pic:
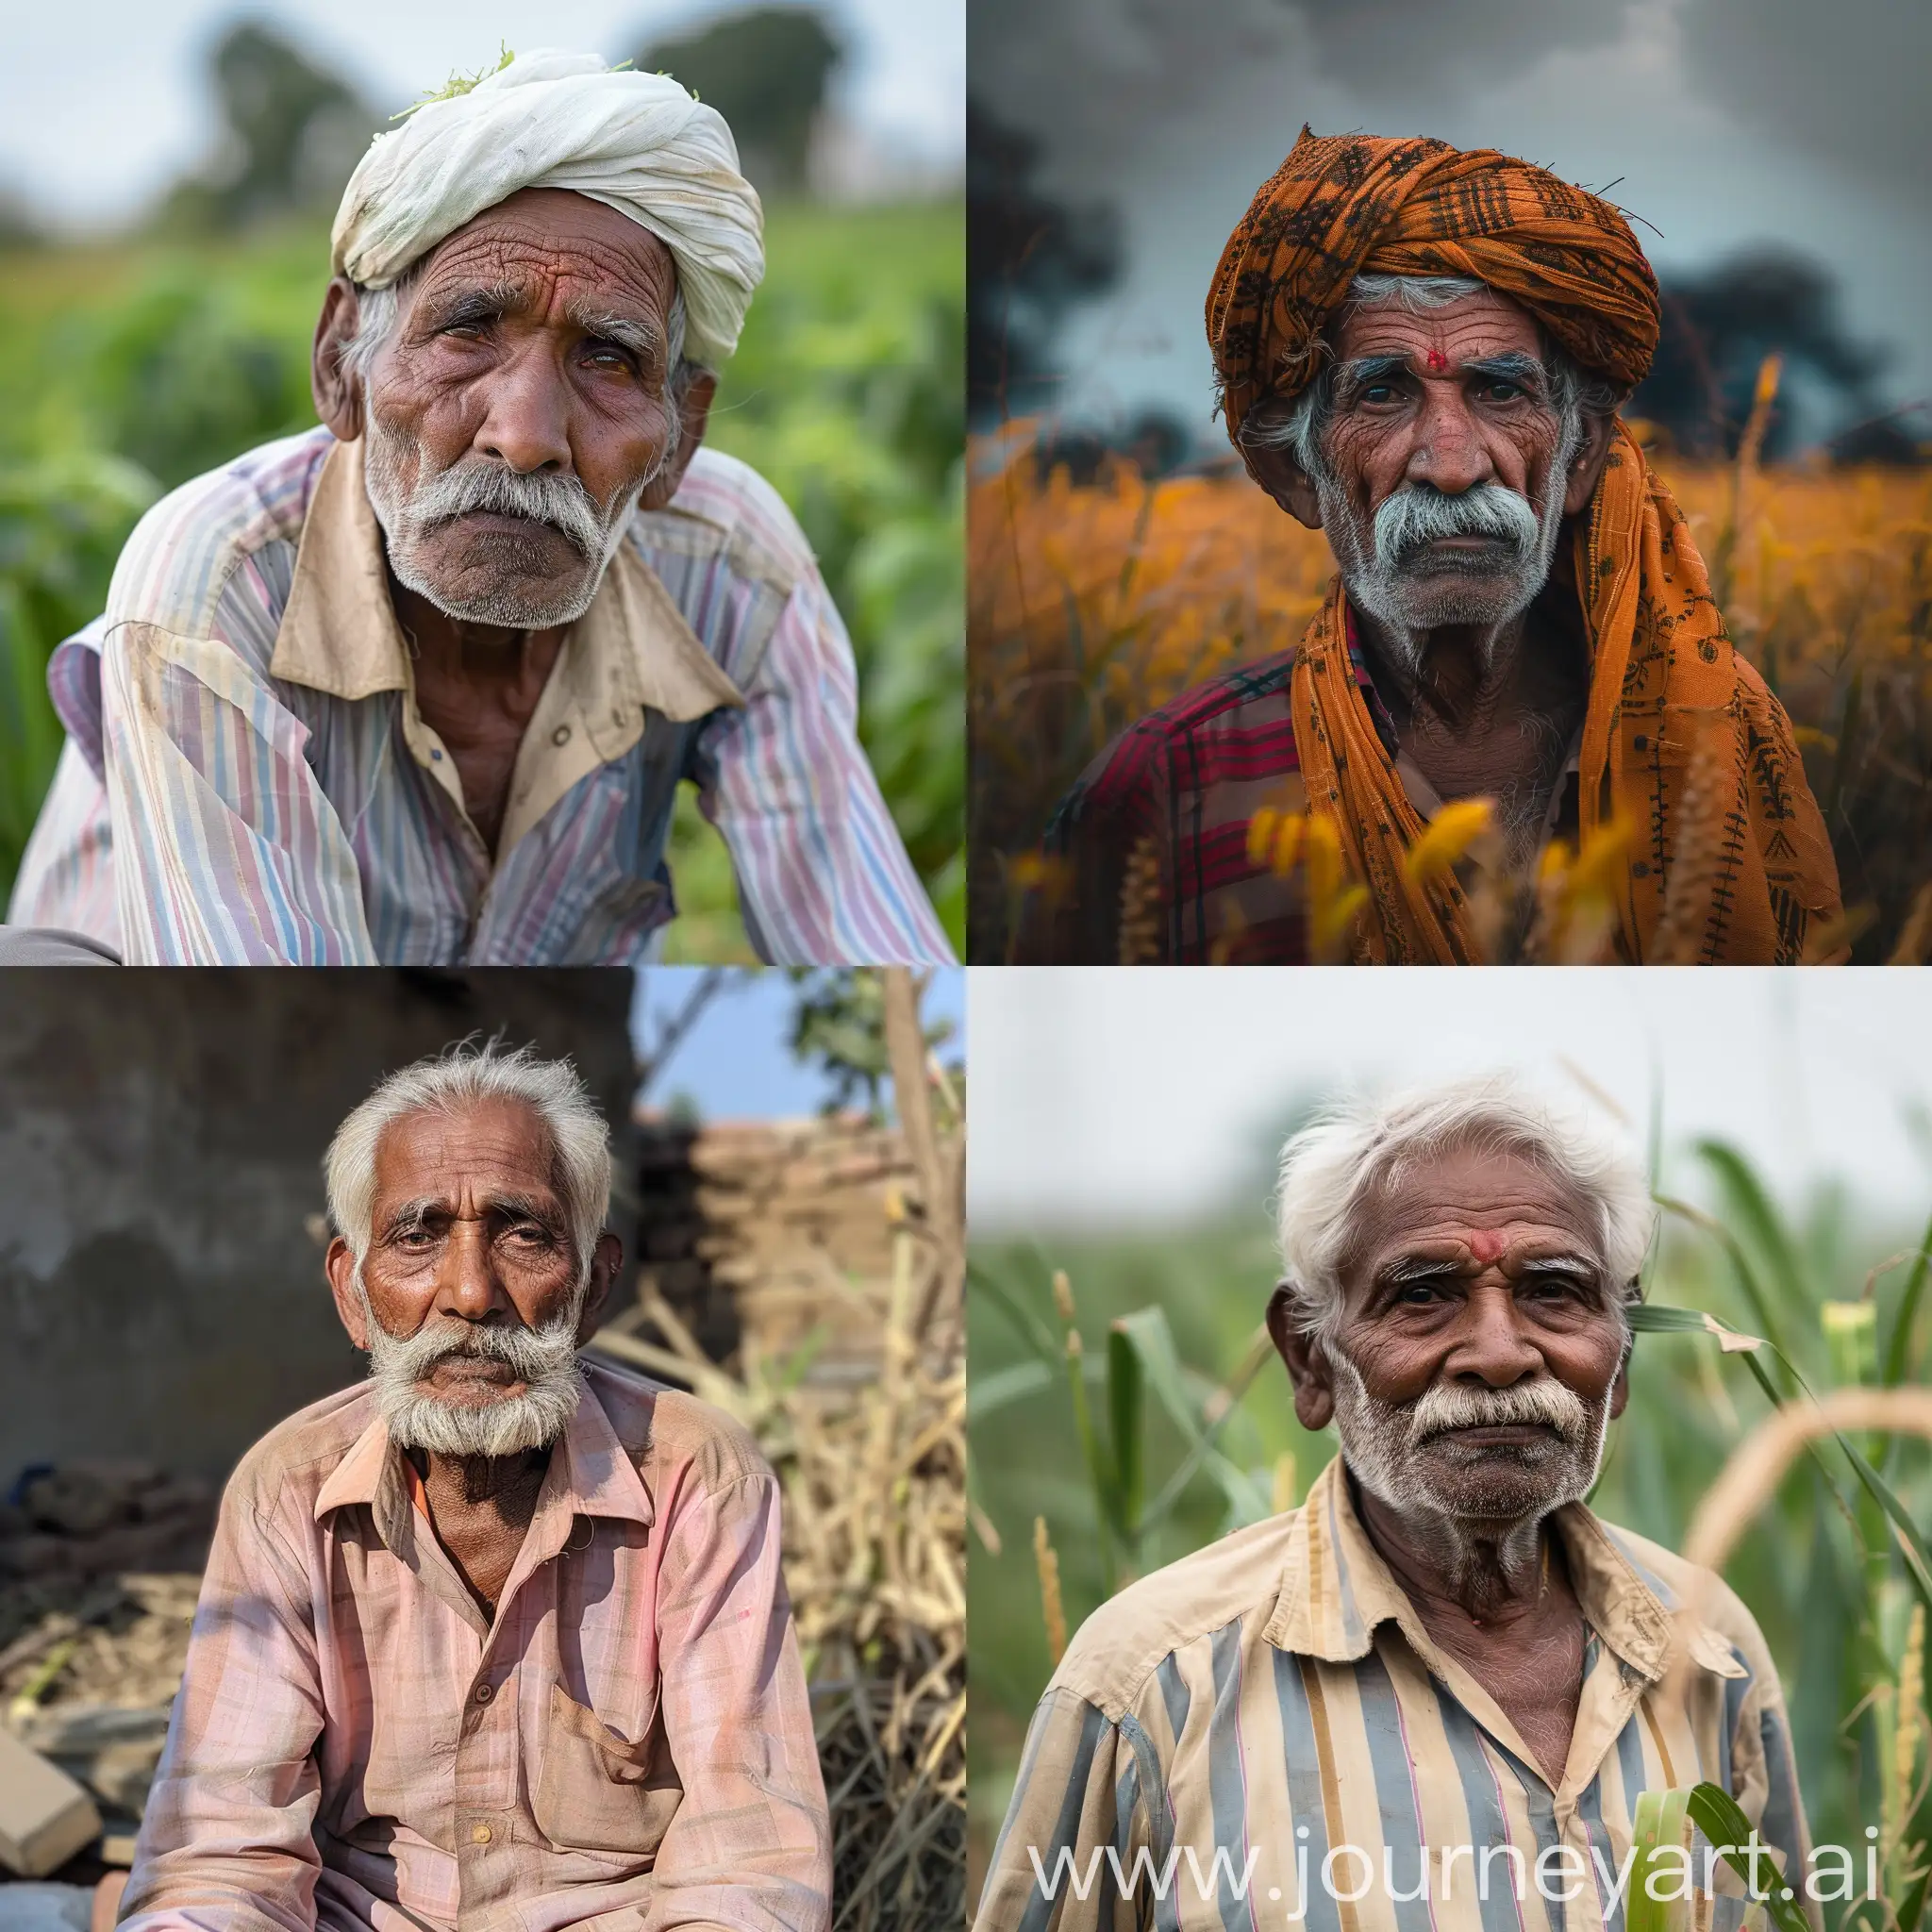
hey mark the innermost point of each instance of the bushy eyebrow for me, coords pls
(412, 1215)
(470, 308)
(1352, 377)
(1512, 365)
(643, 339)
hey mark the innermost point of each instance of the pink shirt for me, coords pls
(628, 1745)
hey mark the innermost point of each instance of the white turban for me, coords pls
(638, 143)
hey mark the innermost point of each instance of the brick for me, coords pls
(45, 1815)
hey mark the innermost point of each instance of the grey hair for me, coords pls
(1299, 423)
(379, 311)
(453, 1082)
(1329, 1168)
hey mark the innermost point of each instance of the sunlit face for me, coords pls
(522, 407)
(1445, 460)
(470, 1285)
(1480, 1341)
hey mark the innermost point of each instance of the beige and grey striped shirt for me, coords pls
(1219, 1732)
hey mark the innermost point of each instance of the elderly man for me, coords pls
(1422, 351)
(1442, 1662)
(498, 1639)
(418, 687)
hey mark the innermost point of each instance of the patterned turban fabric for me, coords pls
(638, 143)
(1683, 745)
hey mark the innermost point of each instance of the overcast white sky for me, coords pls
(1722, 123)
(1107, 1097)
(101, 106)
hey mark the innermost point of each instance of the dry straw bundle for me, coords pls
(874, 1483)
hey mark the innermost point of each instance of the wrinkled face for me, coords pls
(1480, 1341)
(471, 1283)
(522, 406)
(1446, 462)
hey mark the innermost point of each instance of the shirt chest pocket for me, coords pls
(599, 1791)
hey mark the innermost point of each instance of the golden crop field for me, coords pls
(1090, 605)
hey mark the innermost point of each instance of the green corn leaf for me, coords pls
(1651, 1317)
(987, 1394)
(1125, 1391)
(1657, 1826)
(1716, 1814)
(1740, 1264)
(1027, 1326)
(1900, 1346)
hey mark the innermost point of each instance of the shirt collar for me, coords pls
(338, 632)
(1338, 1591)
(591, 1472)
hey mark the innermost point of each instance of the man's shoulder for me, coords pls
(1674, 1581)
(725, 511)
(288, 1465)
(663, 1428)
(1244, 707)
(1118, 1649)
(176, 565)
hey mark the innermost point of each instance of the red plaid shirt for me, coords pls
(1185, 782)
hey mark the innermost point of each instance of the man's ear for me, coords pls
(1620, 1388)
(1307, 1360)
(607, 1262)
(339, 1264)
(1587, 465)
(337, 394)
(1287, 482)
(693, 414)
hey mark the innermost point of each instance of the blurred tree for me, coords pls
(1718, 326)
(1028, 259)
(292, 133)
(839, 1025)
(766, 72)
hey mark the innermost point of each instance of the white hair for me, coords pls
(1329, 1168)
(1298, 424)
(455, 1081)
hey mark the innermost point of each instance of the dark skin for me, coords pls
(1430, 407)
(1481, 1270)
(467, 1227)
(533, 337)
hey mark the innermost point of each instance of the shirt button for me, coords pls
(561, 735)
(479, 1834)
(484, 1693)
(436, 755)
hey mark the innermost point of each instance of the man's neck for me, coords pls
(481, 1507)
(477, 687)
(1492, 1572)
(448, 648)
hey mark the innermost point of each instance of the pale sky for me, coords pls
(102, 106)
(1721, 123)
(1107, 1098)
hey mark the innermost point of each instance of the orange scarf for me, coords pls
(1668, 694)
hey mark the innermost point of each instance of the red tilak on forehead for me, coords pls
(1438, 362)
(1488, 1245)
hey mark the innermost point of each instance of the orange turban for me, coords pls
(1341, 205)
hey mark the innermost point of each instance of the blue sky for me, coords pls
(102, 106)
(735, 1063)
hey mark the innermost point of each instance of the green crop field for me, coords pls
(1185, 1429)
(127, 369)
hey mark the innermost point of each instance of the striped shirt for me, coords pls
(247, 779)
(356, 1744)
(1275, 1698)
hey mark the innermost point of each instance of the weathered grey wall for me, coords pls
(160, 1140)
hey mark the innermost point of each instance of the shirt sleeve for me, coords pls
(822, 876)
(1764, 1776)
(66, 876)
(226, 852)
(226, 1841)
(749, 1848)
(1071, 894)
(1074, 1831)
